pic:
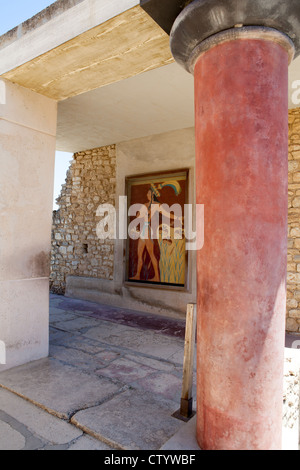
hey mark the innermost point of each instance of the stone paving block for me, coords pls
(48, 427)
(163, 384)
(56, 335)
(91, 362)
(10, 438)
(77, 341)
(153, 363)
(107, 356)
(143, 377)
(75, 358)
(107, 332)
(145, 342)
(88, 443)
(31, 440)
(184, 439)
(57, 315)
(126, 371)
(177, 357)
(54, 310)
(55, 300)
(59, 388)
(76, 324)
(87, 311)
(133, 318)
(132, 420)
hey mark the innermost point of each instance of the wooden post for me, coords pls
(186, 405)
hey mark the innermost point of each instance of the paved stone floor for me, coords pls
(112, 381)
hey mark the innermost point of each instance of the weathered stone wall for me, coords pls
(155, 153)
(91, 180)
(293, 266)
(76, 249)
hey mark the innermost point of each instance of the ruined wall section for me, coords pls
(76, 249)
(293, 266)
(91, 180)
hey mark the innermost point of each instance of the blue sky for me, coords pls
(62, 162)
(12, 13)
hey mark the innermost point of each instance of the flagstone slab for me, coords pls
(133, 318)
(77, 341)
(108, 356)
(10, 438)
(126, 371)
(58, 388)
(153, 363)
(56, 335)
(132, 420)
(184, 439)
(141, 341)
(162, 384)
(76, 324)
(76, 358)
(142, 377)
(88, 443)
(57, 315)
(44, 425)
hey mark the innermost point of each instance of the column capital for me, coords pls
(206, 23)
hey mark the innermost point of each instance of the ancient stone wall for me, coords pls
(91, 180)
(76, 249)
(156, 153)
(293, 266)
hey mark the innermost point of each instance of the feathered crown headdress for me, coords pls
(173, 184)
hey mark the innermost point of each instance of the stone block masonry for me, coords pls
(91, 180)
(293, 260)
(76, 249)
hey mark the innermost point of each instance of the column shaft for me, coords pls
(241, 90)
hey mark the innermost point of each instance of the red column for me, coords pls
(241, 103)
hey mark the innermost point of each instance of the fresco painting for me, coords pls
(156, 248)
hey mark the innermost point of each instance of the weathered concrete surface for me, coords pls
(55, 26)
(27, 153)
(123, 46)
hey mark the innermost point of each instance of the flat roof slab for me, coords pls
(125, 45)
